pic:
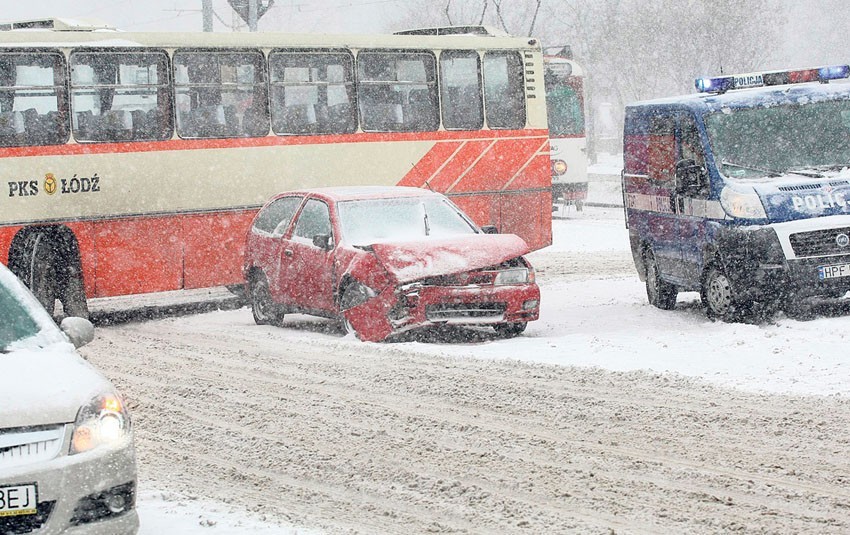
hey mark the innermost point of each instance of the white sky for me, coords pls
(327, 16)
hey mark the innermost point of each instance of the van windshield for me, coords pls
(805, 138)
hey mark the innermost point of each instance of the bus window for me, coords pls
(460, 90)
(33, 99)
(220, 94)
(504, 98)
(120, 96)
(564, 110)
(397, 91)
(312, 93)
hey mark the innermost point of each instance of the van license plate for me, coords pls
(834, 272)
(18, 500)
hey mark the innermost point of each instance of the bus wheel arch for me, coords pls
(47, 259)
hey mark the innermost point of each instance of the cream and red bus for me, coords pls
(134, 162)
(564, 81)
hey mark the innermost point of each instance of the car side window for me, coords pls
(275, 218)
(314, 220)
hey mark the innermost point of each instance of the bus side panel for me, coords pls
(138, 256)
(6, 235)
(528, 214)
(430, 164)
(501, 163)
(215, 248)
(457, 167)
(484, 209)
(534, 176)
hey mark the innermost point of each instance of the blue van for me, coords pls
(742, 191)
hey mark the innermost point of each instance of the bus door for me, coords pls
(690, 199)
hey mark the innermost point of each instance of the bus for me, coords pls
(135, 162)
(564, 81)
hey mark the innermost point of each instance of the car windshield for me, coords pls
(402, 219)
(769, 141)
(16, 323)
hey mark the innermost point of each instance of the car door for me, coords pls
(306, 275)
(270, 225)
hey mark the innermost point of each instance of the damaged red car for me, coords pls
(385, 260)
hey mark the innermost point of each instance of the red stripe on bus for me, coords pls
(459, 164)
(428, 166)
(500, 164)
(267, 141)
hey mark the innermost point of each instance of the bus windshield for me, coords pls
(563, 106)
(770, 141)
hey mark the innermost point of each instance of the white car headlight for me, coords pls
(103, 422)
(742, 202)
(513, 276)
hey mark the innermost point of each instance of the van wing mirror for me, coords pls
(691, 178)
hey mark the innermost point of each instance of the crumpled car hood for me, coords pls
(413, 260)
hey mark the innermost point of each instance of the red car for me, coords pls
(385, 260)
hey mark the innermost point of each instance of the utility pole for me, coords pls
(208, 15)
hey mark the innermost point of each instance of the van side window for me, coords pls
(661, 166)
(690, 146)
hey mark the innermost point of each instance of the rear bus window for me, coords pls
(397, 91)
(312, 93)
(504, 96)
(220, 94)
(120, 96)
(33, 99)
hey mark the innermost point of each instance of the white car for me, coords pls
(67, 463)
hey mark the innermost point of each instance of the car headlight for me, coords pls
(514, 276)
(743, 203)
(103, 422)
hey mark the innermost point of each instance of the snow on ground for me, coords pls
(592, 315)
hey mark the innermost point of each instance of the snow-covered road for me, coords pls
(607, 414)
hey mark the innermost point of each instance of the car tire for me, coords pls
(265, 311)
(352, 293)
(659, 292)
(510, 330)
(718, 295)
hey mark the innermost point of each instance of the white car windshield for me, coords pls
(16, 323)
(402, 219)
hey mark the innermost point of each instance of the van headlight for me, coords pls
(103, 422)
(514, 276)
(742, 202)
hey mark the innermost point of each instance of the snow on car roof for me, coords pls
(349, 193)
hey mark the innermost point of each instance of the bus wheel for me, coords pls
(73, 295)
(660, 293)
(40, 270)
(717, 294)
(265, 311)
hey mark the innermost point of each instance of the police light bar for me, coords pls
(721, 84)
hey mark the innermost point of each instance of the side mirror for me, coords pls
(322, 241)
(691, 178)
(79, 330)
(489, 229)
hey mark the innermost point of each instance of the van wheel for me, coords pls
(660, 293)
(718, 296)
(265, 311)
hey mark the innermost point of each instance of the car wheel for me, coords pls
(265, 311)
(718, 296)
(510, 330)
(660, 293)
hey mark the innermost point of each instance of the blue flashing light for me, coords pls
(714, 85)
(834, 72)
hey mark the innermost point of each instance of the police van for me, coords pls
(742, 190)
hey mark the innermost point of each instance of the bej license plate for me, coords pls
(18, 500)
(834, 272)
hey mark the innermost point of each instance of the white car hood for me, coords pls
(46, 385)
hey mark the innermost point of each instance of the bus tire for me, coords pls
(39, 269)
(73, 295)
(264, 310)
(659, 292)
